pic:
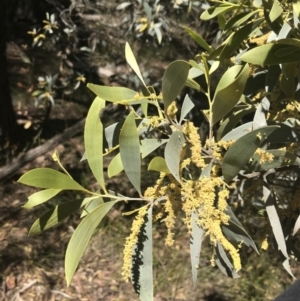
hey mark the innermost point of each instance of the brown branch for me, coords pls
(9, 170)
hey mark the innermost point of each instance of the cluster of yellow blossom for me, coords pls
(131, 241)
(264, 156)
(172, 110)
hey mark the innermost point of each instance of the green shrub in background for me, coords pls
(242, 167)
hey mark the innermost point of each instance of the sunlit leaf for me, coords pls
(159, 164)
(142, 262)
(172, 153)
(130, 58)
(198, 39)
(216, 10)
(259, 119)
(81, 238)
(41, 197)
(223, 262)
(93, 140)
(92, 204)
(187, 106)
(274, 220)
(276, 11)
(239, 19)
(296, 226)
(174, 80)
(238, 155)
(130, 151)
(49, 178)
(54, 216)
(196, 238)
(229, 90)
(238, 132)
(114, 94)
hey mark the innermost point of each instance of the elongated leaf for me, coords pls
(238, 132)
(224, 263)
(198, 39)
(91, 205)
(113, 94)
(130, 58)
(174, 80)
(115, 166)
(281, 159)
(259, 119)
(229, 123)
(49, 178)
(81, 238)
(287, 82)
(287, 266)
(187, 106)
(296, 226)
(216, 10)
(272, 54)
(276, 11)
(54, 216)
(159, 164)
(196, 239)
(93, 140)
(238, 20)
(112, 134)
(193, 84)
(238, 155)
(172, 153)
(41, 197)
(274, 220)
(142, 262)
(130, 152)
(229, 91)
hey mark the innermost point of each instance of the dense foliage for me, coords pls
(244, 166)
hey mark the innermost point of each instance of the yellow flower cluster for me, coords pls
(194, 139)
(208, 198)
(264, 156)
(172, 110)
(265, 244)
(131, 241)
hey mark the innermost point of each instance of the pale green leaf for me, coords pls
(174, 80)
(41, 197)
(142, 261)
(239, 19)
(172, 153)
(130, 58)
(198, 39)
(197, 235)
(187, 106)
(49, 178)
(93, 140)
(216, 10)
(159, 164)
(113, 94)
(115, 166)
(229, 91)
(238, 155)
(238, 132)
(54, 216)
(276, 11)
(93, 203)
(81, 238)
(130, 151)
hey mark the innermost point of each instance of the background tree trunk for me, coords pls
(8, 123)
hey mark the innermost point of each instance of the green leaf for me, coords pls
(81, 238)
(274, 220)
(41, 197)
(187, 106)
(281, 159)
(142, 261)
(130, 151)
(197, 235)
(113, 94)
(229, 90)
(92, 203)
(287, 82)
(130, 58)
(259, 119)
(174, 80)
(49, 178)
(198, 39)
(115, 166)
(172, 153)
(93, 140)
(238, 155)
(238, 132)
(216, 10)
(272, 54)
(193, 84)
(229, 123)
(275, 12)
(54, 216)
(224, 263)
(235, 231)
(159, 164)
(238, 20)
